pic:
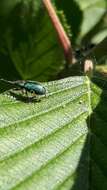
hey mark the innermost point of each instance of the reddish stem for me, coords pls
(64, 40)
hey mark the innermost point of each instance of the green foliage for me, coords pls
(58, 141)
(29, 47)
(98, 123)
(29, 42)
(87, 19)
(45, 144)
(41, 142)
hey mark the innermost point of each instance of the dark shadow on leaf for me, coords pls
(82, 172)
(24, 98)
(98, 169)
(15, 93)
(93, 174)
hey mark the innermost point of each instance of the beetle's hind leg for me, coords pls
(24, 92)
(34, 96)
(33, 93)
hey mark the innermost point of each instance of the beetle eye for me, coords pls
(32, 91)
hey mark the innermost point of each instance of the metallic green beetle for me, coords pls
(28, 86)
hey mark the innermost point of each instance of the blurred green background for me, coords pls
(29, 47)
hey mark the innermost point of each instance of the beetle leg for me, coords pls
(26, 93)
(34, 94)
(23, 91)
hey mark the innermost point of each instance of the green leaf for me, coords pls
(44, 144)
(73, 15)
(87, 19)
(98, 122)
(55, 142)
(28, 41)
(93, 20)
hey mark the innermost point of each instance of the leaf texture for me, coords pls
(42, 142)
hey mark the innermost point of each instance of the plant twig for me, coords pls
(64, 40)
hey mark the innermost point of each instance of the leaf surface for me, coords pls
(29, 45)
(42, 142)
